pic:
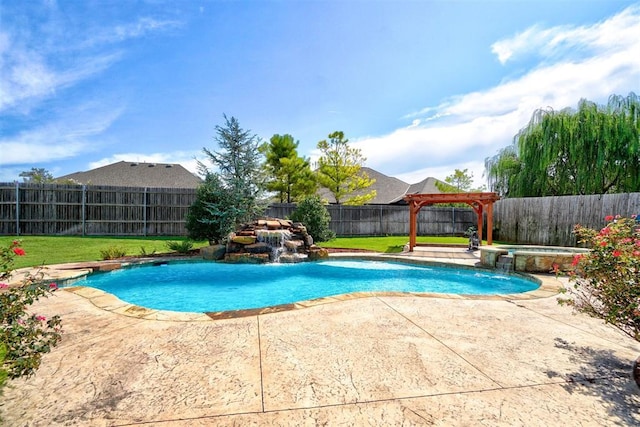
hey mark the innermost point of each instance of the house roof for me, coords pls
(389, 190)
(135, 174)
(426, 186)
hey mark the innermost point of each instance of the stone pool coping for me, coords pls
(66, 274)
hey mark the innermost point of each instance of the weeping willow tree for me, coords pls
(591, 150)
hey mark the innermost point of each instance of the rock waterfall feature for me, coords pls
(267, 240)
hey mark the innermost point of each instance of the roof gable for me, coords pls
(135, 174)
(389, 190)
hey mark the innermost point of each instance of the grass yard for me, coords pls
(389, 244)
(44, 250)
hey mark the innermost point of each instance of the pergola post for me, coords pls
(479, 211)
(413, 224)
(490, 224)
(476, 200)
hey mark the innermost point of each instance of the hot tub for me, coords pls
(530, 258)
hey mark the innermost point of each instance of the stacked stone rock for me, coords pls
(260, 241)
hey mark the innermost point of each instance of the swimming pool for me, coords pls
(210, 286)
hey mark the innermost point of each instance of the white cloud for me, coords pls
(36, 63)
(617, 33)
(474, 168)
(465, 129)
(31, 71)
(57, 140)
(23, 74)
(26, 76)
(20, 153)
(131, 30)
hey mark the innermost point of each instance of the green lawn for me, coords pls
(388, 244)
(44, 250)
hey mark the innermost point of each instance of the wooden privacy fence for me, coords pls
(54, 209)
(393, 220)
(550, 220)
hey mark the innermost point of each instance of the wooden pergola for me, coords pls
(478, 201)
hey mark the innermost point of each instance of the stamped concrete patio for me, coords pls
(380, 360)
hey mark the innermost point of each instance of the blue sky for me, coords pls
(421, 87)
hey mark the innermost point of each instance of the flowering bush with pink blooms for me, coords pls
(24, 336)
(606, 281)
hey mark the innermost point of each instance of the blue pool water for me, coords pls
(210, 286)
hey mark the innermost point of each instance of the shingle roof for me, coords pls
(427, 185)
(389, 190)
(134, 174)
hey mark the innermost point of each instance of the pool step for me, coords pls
(505, 263)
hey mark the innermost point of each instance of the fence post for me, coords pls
(144, 214)
(17, 208)
(84, 210)
(453, 220)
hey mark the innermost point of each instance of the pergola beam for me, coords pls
(477, 201)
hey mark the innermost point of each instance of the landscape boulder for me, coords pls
(268, 239)
(213, 252)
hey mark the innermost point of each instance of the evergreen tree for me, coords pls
(288, 174)
(232, 194)
(212, 216)
(339, 170)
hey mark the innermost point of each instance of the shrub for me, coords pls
(143, 251)
(182, 247)
(606, 281)
(24, 336)
(314, 215)
(212, 215)
(113, 252)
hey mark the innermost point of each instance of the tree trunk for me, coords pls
(636, 371)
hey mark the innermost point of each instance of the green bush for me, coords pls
(314, 215)
(182, 247)
(112, 252)
(24, 335)
(212, 215)
(606, 281)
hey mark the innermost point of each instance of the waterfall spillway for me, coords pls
(505, 263)
(276, 239)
